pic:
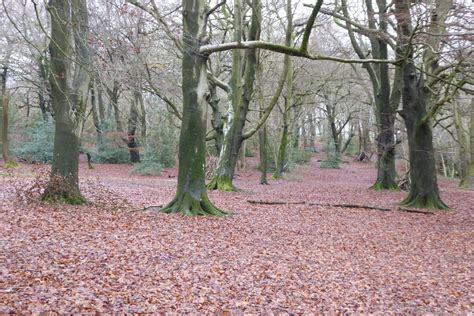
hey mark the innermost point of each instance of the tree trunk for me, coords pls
(217, 121)
(191, 196)
(262, 132)
(262, 143)
(132, 129)
(282, 163)
(44, 88)
(95, 116)
(114, 97)
(4, 116)
(142, 118)
(312, 132)
(468, 180)
(386, 102)
(4, 131)
(424, 190)
(69, 87)
(462, 146)
(233, 136)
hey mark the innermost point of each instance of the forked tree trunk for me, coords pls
(191, 196)
(69, 87)
(241, 97)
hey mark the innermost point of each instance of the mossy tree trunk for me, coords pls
(424, 190)
(282, 162)
(69, 82)
(241, 98)
(191, 196)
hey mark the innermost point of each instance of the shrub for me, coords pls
(249, 152)
(111, 154)
(39, 143)
(147, 168)
(301, 156)
(150, 165)
(166, 151)
(332, 159)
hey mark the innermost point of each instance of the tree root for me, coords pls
(62, 196)
(191, 206)
(420, 201)
(379, 186)
(221, 184)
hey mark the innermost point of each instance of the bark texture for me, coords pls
(191, 196)
(69, 82)
(424, 190)
(241, 98)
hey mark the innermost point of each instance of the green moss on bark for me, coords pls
(424, 201)
(379, 186)
(191, 206)
(222, 183)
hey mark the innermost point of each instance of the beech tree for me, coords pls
(69, 80)
(424, 190)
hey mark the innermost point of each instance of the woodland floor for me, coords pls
(264, 259)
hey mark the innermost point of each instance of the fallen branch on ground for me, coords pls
(274, 202)
(354, 206)
(411, 210)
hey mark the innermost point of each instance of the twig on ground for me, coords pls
(147, 208)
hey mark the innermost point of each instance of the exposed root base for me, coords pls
(221, 184)
(63, 197)
(379, 186)
(431, 202)
(10, 164)
(190, 206)
(264, 183)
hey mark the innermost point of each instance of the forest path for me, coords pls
(264, 258)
